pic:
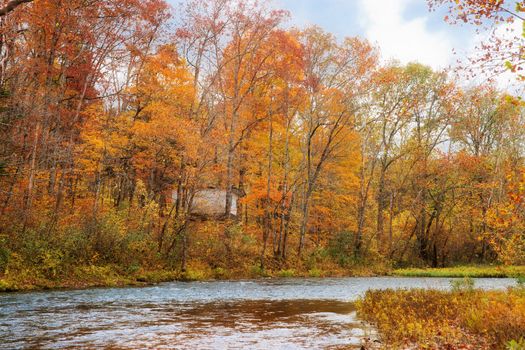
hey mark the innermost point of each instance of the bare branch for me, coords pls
(11, 5)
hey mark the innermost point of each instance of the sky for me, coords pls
(404, 30)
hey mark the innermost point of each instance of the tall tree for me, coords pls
(336, 76)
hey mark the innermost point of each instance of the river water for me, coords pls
(263, 314)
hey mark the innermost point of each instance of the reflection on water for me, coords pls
(282, 314)
(255, 324)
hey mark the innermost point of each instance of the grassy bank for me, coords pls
(464, 318)
(85, 277)
(464, 271)
(112, 275)
(89, 276)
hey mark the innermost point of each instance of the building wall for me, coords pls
(211, 203)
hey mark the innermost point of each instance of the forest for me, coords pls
(116, 115)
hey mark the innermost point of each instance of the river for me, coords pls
(262, 314)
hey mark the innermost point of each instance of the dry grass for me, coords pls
(431, 319)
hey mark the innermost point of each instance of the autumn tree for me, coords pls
(223, 47)
(500, 51)
(336, 77)
(485, 130)
(277, 99)
(435, 102)
(117, 118)
(54, 69)
(390, 110)
(507, 221)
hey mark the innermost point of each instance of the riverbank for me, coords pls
(92, 276)
(464, 318)
(487, 271)
(85, 277)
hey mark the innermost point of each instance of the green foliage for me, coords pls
(194, 275)
(341, 247)
(466, 284)
(316, 257)
(5, 253)
(516, 345)
(257, 271)
(315, 273)
(248, 240)
(220, 273)
(5, 286)
(107, 237)
(464, 271)
(158, 276)
(520, 280)
(133, 268)
(98, 275)
(51, 262)
(286, 273)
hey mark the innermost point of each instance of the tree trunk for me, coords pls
(184, 250)
(229, 182)
(267, 221)
(380, 210)
(305, 210)
(287, 228)
(32, 171)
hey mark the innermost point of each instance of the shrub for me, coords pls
(6, 286)
(51, 263)
(315, 273)
(107, 237)
(464, 271)
(286, 273)
(193, 275)
(465, 284)
(257, 271)
(440, 319)
(340, 248)
(220, 273)
(98, 275)
(521, 281)
(4, 254)
(516, 345)
(77, 246)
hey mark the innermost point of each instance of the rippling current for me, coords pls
(264, 314)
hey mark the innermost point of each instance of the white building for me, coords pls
(211, 202)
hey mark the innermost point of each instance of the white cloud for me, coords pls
(402, 39)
